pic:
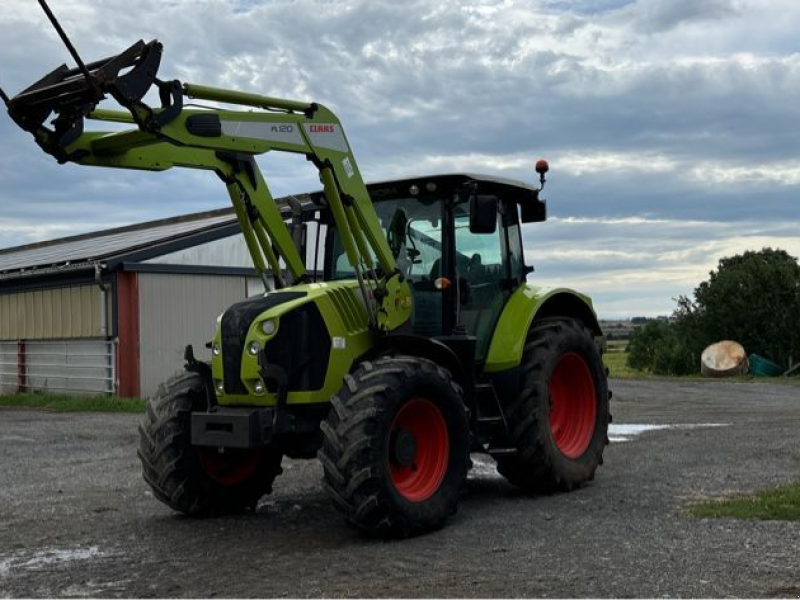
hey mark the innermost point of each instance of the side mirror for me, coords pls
(533, 211)
(482, 214)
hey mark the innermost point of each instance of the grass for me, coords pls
(68, 403)
(616, 359)
(617, 363)
(778, 504)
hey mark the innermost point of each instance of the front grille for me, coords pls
(302, 347)
(236, 322)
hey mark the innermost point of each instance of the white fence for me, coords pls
(9, 368)
(66, 366)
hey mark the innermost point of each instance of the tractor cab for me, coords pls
(457, 239)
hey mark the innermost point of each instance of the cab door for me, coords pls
(487, 267)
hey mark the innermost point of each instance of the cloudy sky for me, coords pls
(672, 127)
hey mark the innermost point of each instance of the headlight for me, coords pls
(253, 348)
(215, 349)
(220, 387)
(259, 388)
(269, 327)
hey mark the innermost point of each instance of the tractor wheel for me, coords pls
(559, 422)
(396, 446)
(194, 480)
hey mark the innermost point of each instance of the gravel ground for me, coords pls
(77, 520)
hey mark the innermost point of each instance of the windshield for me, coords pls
(413, 228)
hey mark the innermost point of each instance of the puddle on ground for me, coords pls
(44, 558)
(624, 432)
(99, 589)
(484, 466)
(16, 438)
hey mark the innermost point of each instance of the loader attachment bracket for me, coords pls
(71, 94)
(204, 370)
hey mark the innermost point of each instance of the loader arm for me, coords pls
(226, 142)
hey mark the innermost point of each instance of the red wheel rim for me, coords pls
(230, 467)
(573, 406)
(417, 477)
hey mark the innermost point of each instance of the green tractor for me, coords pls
(418, 343)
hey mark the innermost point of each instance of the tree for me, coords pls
(644, 343)
(752, 298)
(660, 347)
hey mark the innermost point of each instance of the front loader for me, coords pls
(420, 343)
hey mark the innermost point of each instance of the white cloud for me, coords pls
(595, 162)
(636, 266)
(670, 125)
(27, 233)
(781, 173)
(711, 174)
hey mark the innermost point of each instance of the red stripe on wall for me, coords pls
(127, 334)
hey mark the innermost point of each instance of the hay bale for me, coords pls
(724, 359)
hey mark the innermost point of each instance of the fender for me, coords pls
(429, 348)
(528, 303)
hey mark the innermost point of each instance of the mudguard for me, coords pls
(527, 303)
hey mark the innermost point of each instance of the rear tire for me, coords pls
(396, 446)
(559, 422)
(193, 480)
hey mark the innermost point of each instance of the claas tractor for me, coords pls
(417, 341)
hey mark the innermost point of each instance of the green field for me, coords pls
(617, 363)
(616, 359)
(67, 403)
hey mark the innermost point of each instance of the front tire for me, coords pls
(396, 446)
(559, 422)
(195, 480)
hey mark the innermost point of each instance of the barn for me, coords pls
(110, 312)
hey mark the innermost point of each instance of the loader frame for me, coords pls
(223, 141)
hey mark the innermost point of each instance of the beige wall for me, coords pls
(176, 310)
(68, 312)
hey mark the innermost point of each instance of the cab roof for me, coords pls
(448, 182)
(454, 179)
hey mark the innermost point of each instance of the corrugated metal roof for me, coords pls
(102, 245)
(80, 251)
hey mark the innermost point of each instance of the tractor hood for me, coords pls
(304, 337)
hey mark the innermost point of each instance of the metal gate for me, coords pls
(9, 368)
(82, 366)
